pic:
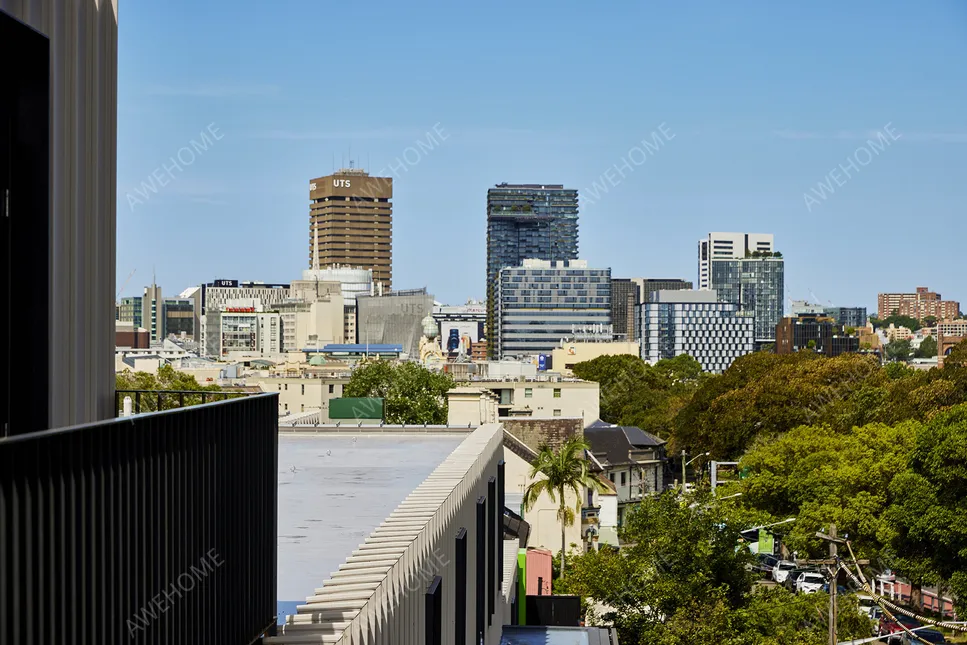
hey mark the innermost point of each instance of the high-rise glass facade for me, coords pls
(697, 324)
(757, 285)
(527, 221)
(541, 302)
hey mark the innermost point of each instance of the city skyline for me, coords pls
(779, 131)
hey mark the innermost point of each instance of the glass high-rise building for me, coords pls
(527, 221)
(757, 285)
(542, 302)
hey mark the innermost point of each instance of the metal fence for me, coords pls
(158, 528)
(157, 400)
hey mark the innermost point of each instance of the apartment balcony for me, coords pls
(156, 528)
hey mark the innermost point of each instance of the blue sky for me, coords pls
(762, 101)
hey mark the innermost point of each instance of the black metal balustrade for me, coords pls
(157, 400)
(158, 528)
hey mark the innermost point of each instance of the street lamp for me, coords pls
(686, 463)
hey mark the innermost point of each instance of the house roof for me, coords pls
(613, 443)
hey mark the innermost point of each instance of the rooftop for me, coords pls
(333, 491)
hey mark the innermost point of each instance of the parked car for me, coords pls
(892, 630)
(840, 589)
(782, 570)
(928, 635)
(867, 605)
(790, 581)
(765, 564)
(809, 582)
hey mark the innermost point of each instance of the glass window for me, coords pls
(557, 393)
(557, 413)
(528, 392)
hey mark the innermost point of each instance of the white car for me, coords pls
(781, 571)
(867, 605)
(810, 582)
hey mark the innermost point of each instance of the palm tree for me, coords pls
(562, 470)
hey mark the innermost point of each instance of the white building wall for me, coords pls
(545, 526)
(83, 201)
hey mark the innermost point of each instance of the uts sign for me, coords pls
(341, 183)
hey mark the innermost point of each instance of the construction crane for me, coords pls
(126, 281)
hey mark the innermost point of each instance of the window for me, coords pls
(528, 392)
(280, 387)
(286, 407)
(611, 477)
(623, 478)
(557, 393)
(302, 407)
(286, 387)
(557, 413)
(332, 388)
(303, 389)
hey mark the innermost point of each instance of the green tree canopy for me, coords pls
(898, 350)
(167, 378)
(635, 393)
(927, 349)
(683, 579)
(410, 392)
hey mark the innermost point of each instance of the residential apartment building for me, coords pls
(541, 302)
(648, 286)
(757, 286)
(625, 298)
(948, 328)
(918, 305)
(698, 324)
(351, 223)
(814, 332)
(526, 221)
(728, 246)
(632, 459)
(542, 397)
(246, 331)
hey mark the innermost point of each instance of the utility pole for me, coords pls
(832, 586)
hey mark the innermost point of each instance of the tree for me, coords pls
(897, 320)
(556, 473)
(898, 350)
(682, 578)
(811, 344)
(410, 392)
(927, 349)
(930, 321)
(634, 393)
(167, 378)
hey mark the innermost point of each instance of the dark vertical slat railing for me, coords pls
(432, 613)
(500, 526)
(492, 524)
(159, 528)
(481, 568)
(460, 589)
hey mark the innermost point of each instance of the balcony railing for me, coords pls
(158, 528)
(158, 400)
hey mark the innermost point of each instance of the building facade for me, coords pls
(351, 223)
(461, 327)
(527, 221)
(129, 310)
(847, 316)
(918, 305)
(728, 246)
(814, 332)
(178, 317)
(625, 298)
(698, 324)
(218, 295)
(542, 302)
(395, 318)
(757, 286)
(152, 312)
(648, 286)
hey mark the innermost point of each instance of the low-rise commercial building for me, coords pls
(304, 394)
(565, 357)
(547, 396)
(695, 323)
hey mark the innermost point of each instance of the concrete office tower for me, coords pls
(59, 100)
(728, 246)
(697, 324)
(625, 298)
(152, 312)
(542, 302)
(351, 223)
(527, 221)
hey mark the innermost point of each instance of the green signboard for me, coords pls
(767, 542)
(346, 408)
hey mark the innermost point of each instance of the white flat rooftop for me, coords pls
(334, 490)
